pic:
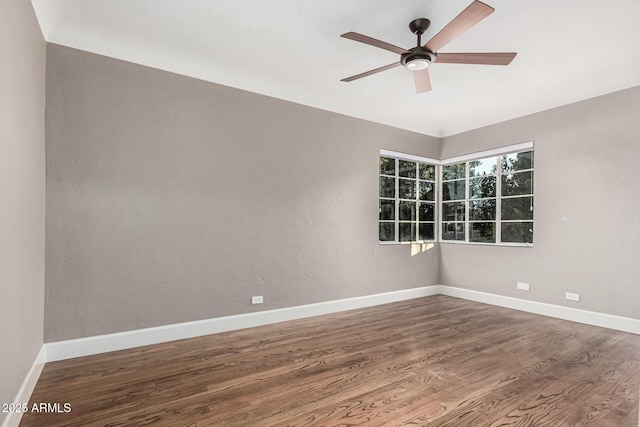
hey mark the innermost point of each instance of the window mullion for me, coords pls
(438, 202)
(498, 201)
(396, 224)
(466, 203)
(416, 219)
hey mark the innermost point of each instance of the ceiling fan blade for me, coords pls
(370, 72)
(374, 42)
(487, 58)
(469, 17)
(422, 80)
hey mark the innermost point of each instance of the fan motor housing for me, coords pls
(417, 53)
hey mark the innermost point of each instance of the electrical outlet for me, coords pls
(523, 286)
(572, 296)
(257, 300)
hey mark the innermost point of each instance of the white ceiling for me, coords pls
(568, 50)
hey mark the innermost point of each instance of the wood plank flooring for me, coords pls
(435, 361)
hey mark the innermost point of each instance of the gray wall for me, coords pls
(171, 199)
(587, 209)
(22, 184)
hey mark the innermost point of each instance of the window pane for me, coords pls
(407, 231)
(452, 231)
(426, 212)
(517, 161)
(387, 232)
(482, 187)
(407, 211)
(427, 172)
(427, 191)
(426, 231)
(482, 210)
(453, 190)
(454, 171)
(517, 232)
(517, 208)
(387, 187)
(407, 169)
(483, 167)
(387, 166)
(407, 189)
(484, 232)
(515, 184)
(387, 209)
(453, 211)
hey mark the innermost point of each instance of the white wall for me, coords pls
(22, 188)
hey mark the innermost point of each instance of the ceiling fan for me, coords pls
(419, 58)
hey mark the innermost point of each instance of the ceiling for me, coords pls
(568, 50)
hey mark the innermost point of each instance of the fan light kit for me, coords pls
(419, 58)
(417, 64)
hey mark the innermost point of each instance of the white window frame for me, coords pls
(436, 205)
(496, 152)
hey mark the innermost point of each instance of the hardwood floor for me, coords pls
(436, 361)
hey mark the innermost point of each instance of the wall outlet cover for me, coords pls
(573, 297)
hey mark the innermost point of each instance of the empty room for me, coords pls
(321, 213)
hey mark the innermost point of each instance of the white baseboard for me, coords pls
(26, 389)
(625, 324)
(61, 350)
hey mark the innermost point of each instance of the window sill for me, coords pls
(419, 242)
(453, 242)
(508, 245)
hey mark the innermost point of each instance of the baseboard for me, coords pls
(61, 350)
(26, 389)
(625, 324)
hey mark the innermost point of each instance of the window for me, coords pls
(488, 200)
(407, 200)
(516, 197)
(454, 209)
(481, 198)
